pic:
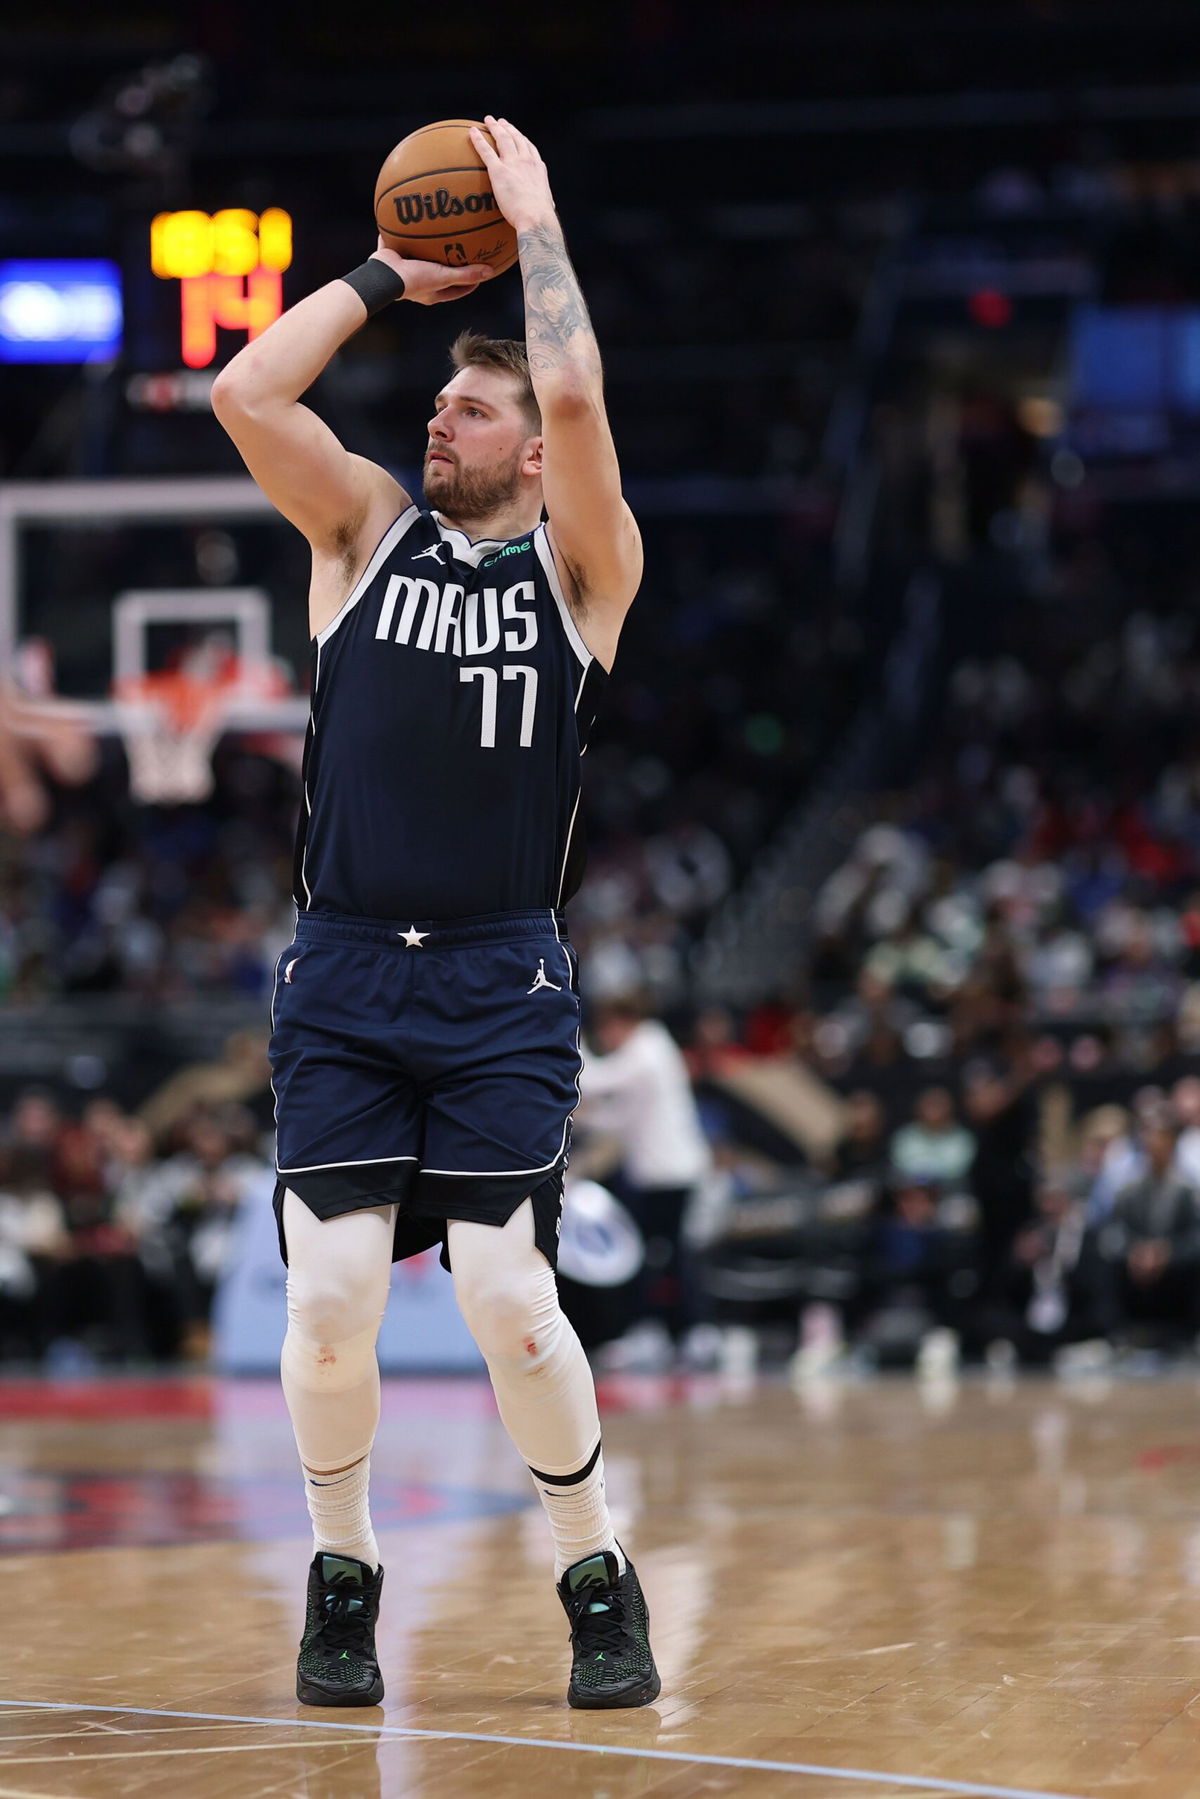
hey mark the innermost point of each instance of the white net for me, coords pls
(170, 763)
(169, 755)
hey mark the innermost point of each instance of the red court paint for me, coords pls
(191, 1397)
(1166, 1453)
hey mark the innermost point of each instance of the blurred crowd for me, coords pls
(986, 1220)
(982, 1217)
(1003, 990)
(113, 1236)
(1037, 889)
(997, 1019)
(956, 1235)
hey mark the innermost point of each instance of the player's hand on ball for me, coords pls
(518, 174)
(430, 283)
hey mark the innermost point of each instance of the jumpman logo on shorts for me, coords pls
(539, 979)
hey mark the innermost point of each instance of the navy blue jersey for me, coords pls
(451, 700)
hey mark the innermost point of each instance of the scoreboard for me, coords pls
(229, 266)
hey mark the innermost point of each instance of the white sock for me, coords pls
(340, 1512)
(577, 1512)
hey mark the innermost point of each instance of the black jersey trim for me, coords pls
(545, 556)
(396, 531)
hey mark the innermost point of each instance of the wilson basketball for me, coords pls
(434, 200)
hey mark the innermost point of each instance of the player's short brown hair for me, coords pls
(472, 350)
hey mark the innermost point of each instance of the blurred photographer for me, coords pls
(635, 1088)
(1151, 1241)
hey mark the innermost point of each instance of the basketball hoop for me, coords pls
(170, 723)
(171, 719)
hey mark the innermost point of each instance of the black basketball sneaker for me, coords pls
(612, 1663)
(337, 1664)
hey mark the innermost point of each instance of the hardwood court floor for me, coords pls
(858, 1592)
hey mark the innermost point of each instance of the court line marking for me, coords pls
(24, 1793)
(117, 1754)
(973, 1789)
(104, 1733)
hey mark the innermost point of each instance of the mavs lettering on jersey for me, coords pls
(452, 697)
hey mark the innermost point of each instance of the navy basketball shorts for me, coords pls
(432, 1065)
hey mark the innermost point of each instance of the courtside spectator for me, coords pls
(1049, 1293)
(934, 1147)
(1151, 1242)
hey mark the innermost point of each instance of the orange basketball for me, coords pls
(434, 200)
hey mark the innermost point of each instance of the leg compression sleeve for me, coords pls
(543, 1384)
(339, 1273)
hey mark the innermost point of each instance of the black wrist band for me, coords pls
(375, 284)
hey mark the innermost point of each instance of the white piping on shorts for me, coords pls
(571, 983)
(362, 1162)
(497, 1174)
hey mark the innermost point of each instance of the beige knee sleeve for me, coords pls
(339, 1273)
(507, 1294)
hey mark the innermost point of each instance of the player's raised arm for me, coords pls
(595, 538)
(335, 498)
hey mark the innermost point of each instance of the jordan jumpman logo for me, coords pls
(539, 979)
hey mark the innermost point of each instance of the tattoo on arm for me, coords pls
(558, 330)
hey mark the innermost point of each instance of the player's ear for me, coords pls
(532, 464)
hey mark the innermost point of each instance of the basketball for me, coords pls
(434, 200)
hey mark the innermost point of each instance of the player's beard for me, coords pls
(464, 494)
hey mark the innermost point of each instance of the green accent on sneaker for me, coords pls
(336, 1567)
(612, 1663)
(594, 1572)
(338, 1664)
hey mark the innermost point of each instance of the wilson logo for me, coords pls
(414, 209)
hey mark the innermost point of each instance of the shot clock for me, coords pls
(229, 266)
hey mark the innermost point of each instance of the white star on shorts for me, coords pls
(412, 936)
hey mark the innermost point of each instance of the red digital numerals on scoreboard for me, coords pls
(229, 266)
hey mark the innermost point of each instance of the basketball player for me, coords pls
(425, 1023)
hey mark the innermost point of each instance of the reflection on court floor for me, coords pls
(858, 1590)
